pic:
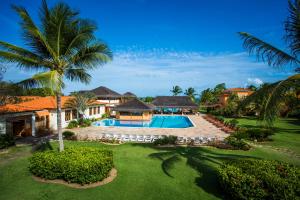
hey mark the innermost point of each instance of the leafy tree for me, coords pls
(232, 104)
(38, 92)
(252, 87)
(62, 47)
(176, 90)
(274, 94)
(191, 93)
(9, 93)
(148, 99)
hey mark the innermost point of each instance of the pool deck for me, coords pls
(202, 128)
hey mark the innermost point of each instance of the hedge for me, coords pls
(81, 165)
(171, 139)
(259, 179)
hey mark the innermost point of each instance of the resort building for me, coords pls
(128, 96)
(175, 104)
(240, 92)
(39, 114)
(107, 96)
(134, 110)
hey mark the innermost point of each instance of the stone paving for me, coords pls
(202, 128)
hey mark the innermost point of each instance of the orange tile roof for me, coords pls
(35, 104)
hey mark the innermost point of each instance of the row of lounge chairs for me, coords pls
(151, 138)
(218, 124)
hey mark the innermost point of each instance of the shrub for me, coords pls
(233, 123)
(6, 141)
(68, 134)
(171, 139)
(259, 134)
(220, 118)
(105, 115)
(259, 179)
(72, 124)
(237, 143)
(85, 122)
(81, 165)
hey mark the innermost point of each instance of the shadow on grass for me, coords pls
(203, 160)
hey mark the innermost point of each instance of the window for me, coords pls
(98, 108)
(95, 110)
(125, 113)
(136, 113)
(74, 114)
(90, 111)
(67, 115)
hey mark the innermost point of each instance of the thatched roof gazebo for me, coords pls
(134, 110)
(183, 103)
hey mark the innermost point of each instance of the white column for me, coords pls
(2, 126)
(33, 125)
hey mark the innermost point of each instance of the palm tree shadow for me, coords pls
(203, 160)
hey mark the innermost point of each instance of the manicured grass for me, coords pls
(287, 133)
(140, 173)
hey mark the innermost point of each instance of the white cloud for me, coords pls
(254, 81)
(155, 72)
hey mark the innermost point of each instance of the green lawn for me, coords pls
(286, 137)
(140, 176)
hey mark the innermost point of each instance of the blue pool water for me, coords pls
(176, 121)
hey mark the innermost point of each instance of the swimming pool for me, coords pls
(176, 121)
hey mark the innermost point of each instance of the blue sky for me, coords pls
(161, 43)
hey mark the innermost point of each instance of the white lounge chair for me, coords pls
(125, 138)
(140, 138)
(133, 138)
(147, 138)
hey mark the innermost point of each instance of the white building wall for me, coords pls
(53, 117)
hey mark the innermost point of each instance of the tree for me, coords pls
(274, 94)
(252, 87)
(62, 47)
(219, 89)
(191, 93)
(206, 96)
(176, 90)
(80, 103)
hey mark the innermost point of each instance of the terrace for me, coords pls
(201, 128)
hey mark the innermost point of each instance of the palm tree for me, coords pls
(62, 47)
(176, 90)
(274, 94)
(190, 92)
(80, 103)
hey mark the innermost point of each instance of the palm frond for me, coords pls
(292, 25)
(78, 74)
(22, 61)
(29, 83)
(33, 36)
(271, 97)
(266, 52)
(277, 96)
(50, 79)
(92, 56)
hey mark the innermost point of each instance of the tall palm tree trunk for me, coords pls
(59, 129)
